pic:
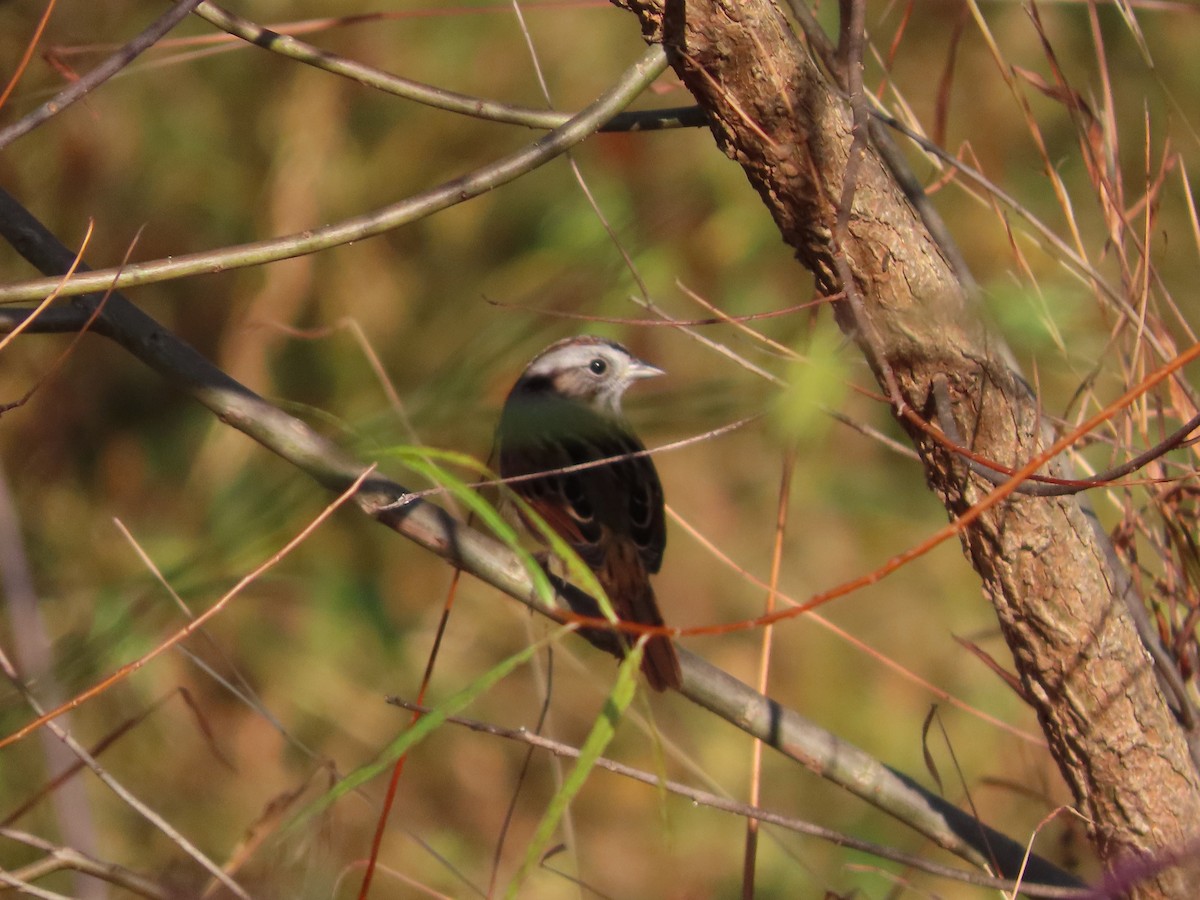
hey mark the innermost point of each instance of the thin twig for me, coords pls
(1039, 485)
(850, 56)
(93, 79)
(723, 804)
(764, 665)
(438, 98)
(116, 787)
(194, 624)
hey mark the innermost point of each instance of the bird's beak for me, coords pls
(640, 370)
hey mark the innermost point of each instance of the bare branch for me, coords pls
(100, 74)
(633, 82)
(438, 98)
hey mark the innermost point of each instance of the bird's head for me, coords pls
(588, 370)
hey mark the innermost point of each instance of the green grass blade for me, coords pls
(422, 461)
(603, 729)
(421, 729)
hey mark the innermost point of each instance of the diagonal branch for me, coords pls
(495, 564)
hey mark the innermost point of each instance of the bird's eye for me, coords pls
(598, 366)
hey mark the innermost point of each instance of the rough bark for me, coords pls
(1041, 563)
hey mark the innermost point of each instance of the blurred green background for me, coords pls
(198, 146)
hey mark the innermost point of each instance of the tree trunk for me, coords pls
(1042, 563)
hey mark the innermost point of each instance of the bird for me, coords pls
(565, 410)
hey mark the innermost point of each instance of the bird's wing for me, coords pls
(623, 497)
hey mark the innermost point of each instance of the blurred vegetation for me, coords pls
(198, 146)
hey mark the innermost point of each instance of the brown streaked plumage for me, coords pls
(564, 410)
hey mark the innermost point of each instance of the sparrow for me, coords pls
(564, 410)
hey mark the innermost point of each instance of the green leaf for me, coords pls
(420, 729)
(815, 383)
(421, 460)
(603, 729)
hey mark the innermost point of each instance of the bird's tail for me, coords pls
(660, 663)
(624, 578)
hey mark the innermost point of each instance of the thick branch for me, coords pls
(1042, 560)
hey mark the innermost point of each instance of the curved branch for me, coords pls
(635, 80)
(438, 98)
